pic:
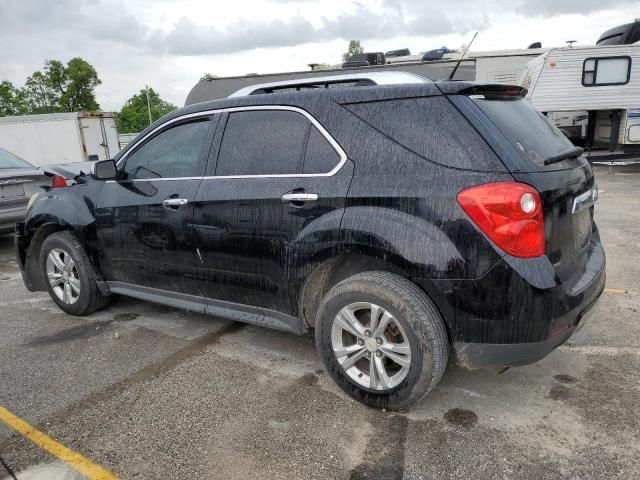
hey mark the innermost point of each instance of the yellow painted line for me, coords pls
(615, 290)
(74, 459)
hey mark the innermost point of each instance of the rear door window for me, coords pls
(262, 142)
(320, 156)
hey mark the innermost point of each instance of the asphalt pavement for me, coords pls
(150, 392)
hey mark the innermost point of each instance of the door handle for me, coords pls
(299, 197)
(174, 203)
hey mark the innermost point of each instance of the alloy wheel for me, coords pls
(63, 276)
(371, 346)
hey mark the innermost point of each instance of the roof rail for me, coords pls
(314, 82)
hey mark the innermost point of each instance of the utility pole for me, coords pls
(148, 103)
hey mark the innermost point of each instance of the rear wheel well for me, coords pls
(331, 272)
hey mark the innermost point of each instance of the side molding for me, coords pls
(216, 308)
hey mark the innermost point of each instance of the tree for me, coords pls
(12, 100)
(208, 77)
(62, 88)
(134, 116)
(326, 66)
(38, 95)
(354, 48)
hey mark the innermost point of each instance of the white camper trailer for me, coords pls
(598, 83)
(492, 66)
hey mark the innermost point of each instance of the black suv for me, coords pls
(402, 223)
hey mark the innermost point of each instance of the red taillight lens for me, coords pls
(58, 182)
(510, 214)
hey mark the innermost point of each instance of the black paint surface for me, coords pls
(391, 206)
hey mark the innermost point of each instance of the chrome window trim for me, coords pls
(341, 153)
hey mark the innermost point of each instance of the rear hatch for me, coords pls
(537, 153)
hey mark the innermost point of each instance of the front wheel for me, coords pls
(381, 339)
(69, 275)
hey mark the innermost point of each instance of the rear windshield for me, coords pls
(9, 160)
(532, 135)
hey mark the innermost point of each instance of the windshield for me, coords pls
(9, 160)
(532, 135)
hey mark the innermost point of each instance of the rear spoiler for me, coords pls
(488, 89)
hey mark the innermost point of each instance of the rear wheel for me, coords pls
(382, 339)
(69, 275)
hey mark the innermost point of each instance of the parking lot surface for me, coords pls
(149, 392)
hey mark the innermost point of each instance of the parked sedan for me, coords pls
(19, 180)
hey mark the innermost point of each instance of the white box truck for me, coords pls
(60, 138)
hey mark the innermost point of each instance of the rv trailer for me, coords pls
(501, 66)
(600, 84)
(216, 88)
(491, 66)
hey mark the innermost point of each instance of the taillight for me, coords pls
(58, 182)
(510, 214)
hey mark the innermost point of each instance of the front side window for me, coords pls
(606, 71)
(263, 142)
(173, 153)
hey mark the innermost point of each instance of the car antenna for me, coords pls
(455, 69)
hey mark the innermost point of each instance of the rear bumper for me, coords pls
(520, 310)
(483, 355)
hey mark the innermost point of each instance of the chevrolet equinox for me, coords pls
(403, 223)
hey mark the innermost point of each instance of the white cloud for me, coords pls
(169, 44)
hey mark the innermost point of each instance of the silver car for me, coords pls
(19, 180)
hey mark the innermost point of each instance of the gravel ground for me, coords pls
(150, 392)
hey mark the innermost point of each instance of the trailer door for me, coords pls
(111, 136)
(94, 138)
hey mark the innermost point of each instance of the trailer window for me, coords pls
(600, 71)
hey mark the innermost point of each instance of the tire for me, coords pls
(83, 296)
(415, 323)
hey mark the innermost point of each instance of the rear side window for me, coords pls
(530, 133)
(174, 153)
(263, 142)
(432, 128)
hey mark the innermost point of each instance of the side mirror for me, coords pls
(105, 170)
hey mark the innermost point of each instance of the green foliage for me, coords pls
(134, 116)
(12, 100)
(326, 66)
(57, 88)
(354, 47)
(208, 77)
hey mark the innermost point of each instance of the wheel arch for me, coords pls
(328, 268)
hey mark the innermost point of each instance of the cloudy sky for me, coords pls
(169, 44)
